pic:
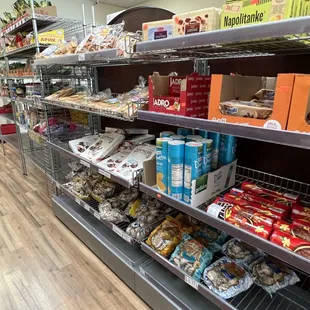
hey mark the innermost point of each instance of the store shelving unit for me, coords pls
(161, 284)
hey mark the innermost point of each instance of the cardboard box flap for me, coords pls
(149, 172)
(160, 84)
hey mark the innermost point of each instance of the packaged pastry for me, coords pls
(133, 163)
(111, 163)
(103, 37)
(261, 200)
(196, 21)
(254, 224)
(300, 211)
(245, 109)
(302, 232)
(226, 278)
(272, 275)
(303, 222)
(126, 43)
(79, 146)
(282, 198)
(191, 257)
(103, 146)
(242, 253)
(103, 190)
(165, 237)
(126, 196)
(212, 234)
(112, 215)
(157, 30)
(270, 212)
(264, 94)
(139, 230)
(293, 243)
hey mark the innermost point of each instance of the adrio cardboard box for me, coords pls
(300, 106)
(193, 98)
(225, 88)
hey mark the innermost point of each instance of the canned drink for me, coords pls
(175, 168)
(166, 134)
(178, 137)
(216, 138)
(202, 133)
(184, 132)
(162, 164)
(192, 138)
(206, 155)
(227, 150)
(192, 169)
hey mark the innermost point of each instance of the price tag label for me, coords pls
(117, 230)
(78, 201)
(190, 281)
(142, 271)
(97, 215)
(85, 163)
(57, 185)
(81, 57)
(127, 237)
(104, 173)
(86, 207)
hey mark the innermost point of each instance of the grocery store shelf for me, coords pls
(23, 52)
(12, 140)
(202, 289)
(44, 23)
(37, 158)
(283, 137)
(287, 256)
(179, 294)
(254, 298)
(90, 109)
(281, 37)
(124, 182)
(8, 117)
(120, 256)
(101, 56)
(92, 208)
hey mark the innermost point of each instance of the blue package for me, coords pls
(216, 138)
(227, 150)
(191, 257)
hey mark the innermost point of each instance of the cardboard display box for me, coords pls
(193, 98)
(204, 188)
(225, 88)
(300, 106)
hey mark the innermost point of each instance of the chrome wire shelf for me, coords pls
(260, 178)
(255, 298)
(24, 52)
(283, 137)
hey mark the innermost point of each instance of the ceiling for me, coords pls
(122, 3)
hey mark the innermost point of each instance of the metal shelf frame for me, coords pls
(283, 137)
(263, 179)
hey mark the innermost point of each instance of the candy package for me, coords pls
(226, 278)
(241, 252)
(191, 256)
(103, 190)
(165, 237)
(79, 146)
(213, 247)
(272, 275)
(115, 216)
(300, 211)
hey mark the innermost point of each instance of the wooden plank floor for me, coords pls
(42, 264)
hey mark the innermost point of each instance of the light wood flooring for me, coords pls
(42, 264)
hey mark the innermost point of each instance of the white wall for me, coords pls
(180, 6)
(72, 9)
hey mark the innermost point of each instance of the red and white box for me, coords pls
(192, 100)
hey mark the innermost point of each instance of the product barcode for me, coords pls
(104, 173)
(97, 215)
(117, 230)
(191, 282)
(81, 57)
(142, 271)
(85, 163)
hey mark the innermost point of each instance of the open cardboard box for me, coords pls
(47, 10)
(226, 87)
(203, 189)
(300, 106)
(193, 98)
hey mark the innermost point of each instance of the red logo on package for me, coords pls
(175, 85)
(167, 103)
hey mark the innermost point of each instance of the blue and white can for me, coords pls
(166, 134)
(206, 155)
(178, 137)
(216, 138)
(184, 132)
(228, 150)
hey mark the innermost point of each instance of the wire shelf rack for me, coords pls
(260, 178)
(24, 52)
